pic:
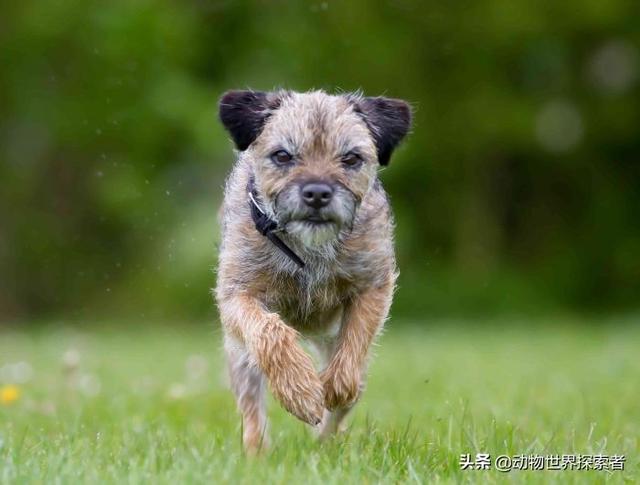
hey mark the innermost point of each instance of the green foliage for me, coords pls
(101, 407)
(518, 188)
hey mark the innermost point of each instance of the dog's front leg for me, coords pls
(343, 378)
(274, 347)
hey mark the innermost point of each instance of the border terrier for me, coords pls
(307, 250)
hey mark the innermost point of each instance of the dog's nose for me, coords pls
(317, 195)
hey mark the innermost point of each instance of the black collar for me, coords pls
(267, 226)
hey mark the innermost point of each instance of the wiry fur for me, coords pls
(341, 298)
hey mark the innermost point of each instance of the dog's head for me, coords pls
(314, 156)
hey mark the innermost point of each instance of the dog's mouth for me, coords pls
(317, 220)
(314, 228)
(312, 218)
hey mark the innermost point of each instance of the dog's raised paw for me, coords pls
(300, 392)
(292, 376)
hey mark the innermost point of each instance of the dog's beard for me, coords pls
(313, 234)
(315, 228)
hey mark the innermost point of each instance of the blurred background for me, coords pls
(518, 191)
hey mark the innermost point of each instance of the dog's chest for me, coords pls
(308, 303)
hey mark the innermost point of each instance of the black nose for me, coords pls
(317, 195)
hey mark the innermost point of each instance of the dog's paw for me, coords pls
(342, 386)
(292, 376)
(297, 386)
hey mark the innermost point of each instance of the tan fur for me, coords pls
(338, 302)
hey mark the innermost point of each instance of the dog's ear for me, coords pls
(389, 121)
(243, 114)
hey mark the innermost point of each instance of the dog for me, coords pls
(307, 250)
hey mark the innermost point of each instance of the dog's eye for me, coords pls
(281, 157)
(351, 159)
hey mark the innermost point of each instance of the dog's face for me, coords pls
(314, 156)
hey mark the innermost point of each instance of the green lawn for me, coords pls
(149, 404)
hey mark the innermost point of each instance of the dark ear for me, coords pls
(243, 114)
(389, 121)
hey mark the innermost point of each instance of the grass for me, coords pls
(148, 404)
